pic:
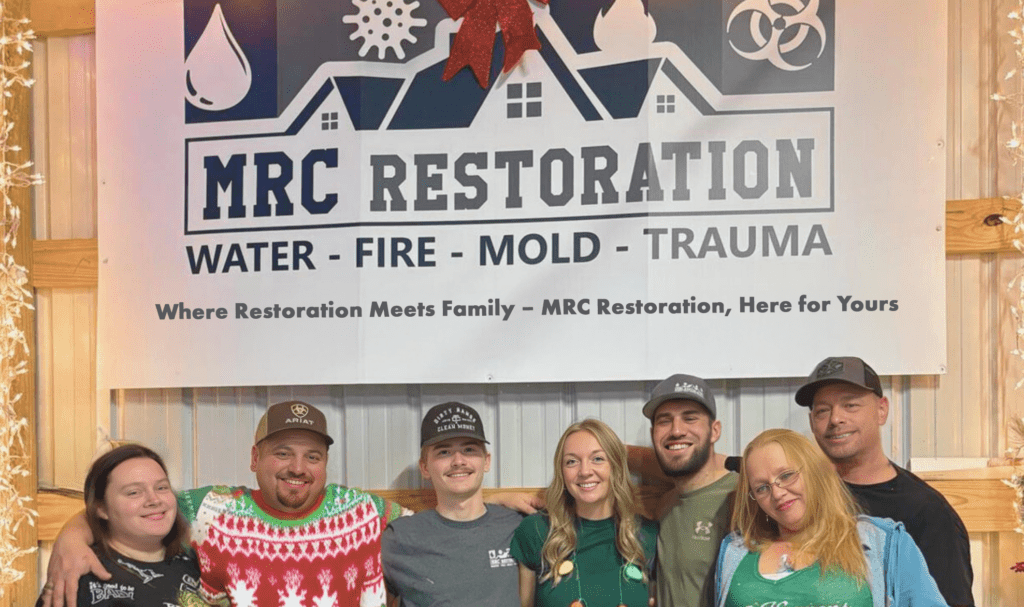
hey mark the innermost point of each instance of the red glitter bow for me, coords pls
(474, 43)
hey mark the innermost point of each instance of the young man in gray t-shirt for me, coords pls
(457, 553)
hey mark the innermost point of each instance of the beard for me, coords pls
(698, 457)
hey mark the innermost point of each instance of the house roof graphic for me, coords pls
(425, 101)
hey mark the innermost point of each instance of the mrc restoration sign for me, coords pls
(291, 192)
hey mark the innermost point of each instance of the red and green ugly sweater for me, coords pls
(251, 555)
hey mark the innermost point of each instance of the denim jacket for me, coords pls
(897, 573)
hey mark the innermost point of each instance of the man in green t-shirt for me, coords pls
(695, 514)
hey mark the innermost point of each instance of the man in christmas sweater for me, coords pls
(294, 542)
(297, 541)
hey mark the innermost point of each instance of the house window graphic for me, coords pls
(329, 121)
(524, 101)
(666, 104)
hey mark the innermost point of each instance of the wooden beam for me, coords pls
(978, 226)
(979, 496)
(63, 17)
(55, 507)
(986, 503)
(972, 226)
(982, 500)
(64, 263)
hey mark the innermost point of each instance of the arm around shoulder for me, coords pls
(525, 503)
(70, 560)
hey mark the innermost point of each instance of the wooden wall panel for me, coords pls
(72, 331)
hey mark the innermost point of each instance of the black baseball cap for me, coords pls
(838, 369)
(451, 420)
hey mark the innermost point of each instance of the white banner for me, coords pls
(291, 192)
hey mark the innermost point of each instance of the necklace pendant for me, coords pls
(633, 572)
(565, 569)
(786, 564)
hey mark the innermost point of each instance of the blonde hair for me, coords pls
(829, 534)
(561, 540)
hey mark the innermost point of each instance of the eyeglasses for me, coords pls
(785, 479)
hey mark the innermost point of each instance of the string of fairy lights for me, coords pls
(15, 46)
(1015, 146)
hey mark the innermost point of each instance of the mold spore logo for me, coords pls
(384, 25)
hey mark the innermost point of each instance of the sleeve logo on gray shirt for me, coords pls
(501, 558)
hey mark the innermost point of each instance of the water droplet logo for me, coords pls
(217, 73)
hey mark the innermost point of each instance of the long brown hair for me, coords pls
(829, 534)
(96, 482)
(561, 540)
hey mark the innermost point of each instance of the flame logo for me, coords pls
(217, 73)
(625, 29)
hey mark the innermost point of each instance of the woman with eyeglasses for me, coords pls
(798, 538)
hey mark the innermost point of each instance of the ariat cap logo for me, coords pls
(830, 367)
(688, 387)
(299, 410)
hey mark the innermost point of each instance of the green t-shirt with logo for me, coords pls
(598, 576)
(803, 588)
(688, 541)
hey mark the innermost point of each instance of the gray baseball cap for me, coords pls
(681, 387)
(838, 369)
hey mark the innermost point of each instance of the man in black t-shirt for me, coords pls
(847, 410)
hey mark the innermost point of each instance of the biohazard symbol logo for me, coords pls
(299, 410)
(789, 32)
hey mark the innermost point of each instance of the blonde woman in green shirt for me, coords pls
(590, 548)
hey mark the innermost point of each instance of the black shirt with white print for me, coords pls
(138, 583)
